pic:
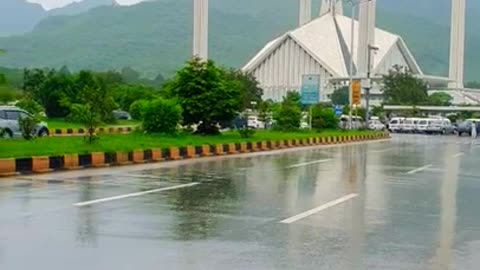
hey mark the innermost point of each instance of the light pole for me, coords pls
(353, 5)
(369, 83)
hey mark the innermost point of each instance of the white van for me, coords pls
(395, 124)
(423, 124)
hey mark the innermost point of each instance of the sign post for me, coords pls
(310, 92)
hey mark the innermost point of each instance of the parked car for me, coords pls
(121, 115)
(376, 125)
(440, 126)
(466, 127)
(9, 116)
(423, 124)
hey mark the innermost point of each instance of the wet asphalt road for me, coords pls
(409, 203)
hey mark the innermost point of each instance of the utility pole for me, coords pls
(368, 85)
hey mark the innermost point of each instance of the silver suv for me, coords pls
(9, 116)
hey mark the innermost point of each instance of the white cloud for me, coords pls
(49, 4)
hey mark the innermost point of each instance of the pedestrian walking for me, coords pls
(474, 130)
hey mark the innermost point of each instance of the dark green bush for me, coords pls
(246, 132)
(28, 126)
(162, 115)
(137, 109)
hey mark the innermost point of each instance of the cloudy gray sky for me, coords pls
(49, 4)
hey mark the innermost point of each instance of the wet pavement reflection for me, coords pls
(409, 203)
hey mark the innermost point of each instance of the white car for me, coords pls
(9, 116)
(376, 125)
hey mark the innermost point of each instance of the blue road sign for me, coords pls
(338, 110)
(310, 92)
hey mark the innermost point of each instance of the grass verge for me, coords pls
(59, 123)
(17, 148)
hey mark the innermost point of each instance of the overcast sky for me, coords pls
(49, 4)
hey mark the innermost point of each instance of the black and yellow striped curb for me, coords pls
(42, 164)
(83, 131)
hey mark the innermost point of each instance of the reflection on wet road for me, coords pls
(410, 203)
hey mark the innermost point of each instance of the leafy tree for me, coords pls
(341, 96)
(248, 85)
(3, 79)
(440, 99)
(28, 126)
(125, 95)
(289, 115)
(162, 115)
(137, 109)
(30, 105)
(110, 78)
(402, 88)
(6, 94)
(265, 111)
(89, 117)
(206, 95)
(323, 117)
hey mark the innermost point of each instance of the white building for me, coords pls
(322, 46)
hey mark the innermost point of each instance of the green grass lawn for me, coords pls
(110, 143)
(58, 123)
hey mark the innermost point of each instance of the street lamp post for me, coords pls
(353, 5)
(368, 87)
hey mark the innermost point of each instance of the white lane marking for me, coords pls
(318, 209)
(419, 169)
(309, 163)
(136, 194)
(381, 151)
(459, 155)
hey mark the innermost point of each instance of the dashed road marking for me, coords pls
(130, 195)
(318, 209)
(309, 163)
(420, 169)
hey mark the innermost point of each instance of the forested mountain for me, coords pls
(155, 36)
(19, 16)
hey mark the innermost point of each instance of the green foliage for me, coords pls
(3, 79)
(246, 132)
(265, 111)
(289, 115)
(323, 117)
(248, 85)
(30, 105)
(7, 94)
(162, 116)
(28, 126)
(137, 109)
(341, 96)
(439, 99)
(89, 117)
(402, 88)
(125, 95)
(206, 95)
(473, 85)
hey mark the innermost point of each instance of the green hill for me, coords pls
(155, 37)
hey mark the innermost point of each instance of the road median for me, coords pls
(118, 150)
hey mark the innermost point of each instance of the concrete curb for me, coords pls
(62, 132)
(44, 164)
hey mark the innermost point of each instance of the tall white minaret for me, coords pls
(304, 12)
(200, 29)
(366, 35)
(334, 6)
(457, 44)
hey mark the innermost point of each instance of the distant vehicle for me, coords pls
(440, 126)
(395, 124)
(9, 116)
(466, 127)
(357, 122)
(254, 122)
(121, 115)
(376, 125)
(423, 124)
(409, 125)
